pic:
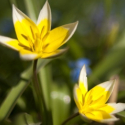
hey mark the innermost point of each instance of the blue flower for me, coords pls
(76, 68)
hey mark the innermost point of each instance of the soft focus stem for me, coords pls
(71, 117)
(30, 9)
(39, 93)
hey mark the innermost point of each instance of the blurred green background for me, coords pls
(99, 42)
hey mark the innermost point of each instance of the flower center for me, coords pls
(36, 43)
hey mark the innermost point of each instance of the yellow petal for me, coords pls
(53, 54)
(112, 119)
(108, 86)
(107, 108)
(97, 115)
(99, 94)
(29, 55)
(96, 97)
(83, 81)
(9, 42)
(79, 100)
(44, 19)
(54, 39)
(24, 26)
(71, 28)
(58, 36)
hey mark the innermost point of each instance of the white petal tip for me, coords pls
(45, 13)
(28, 56)
(113, 119)
(83, 69)
(83, 77)
(117, 106)
(14, 13)
(14, 8)
(46, 3)
(76, 23)
(17, 14)
(71, 28)
(74, 91)
(109, 85)
(13, 5)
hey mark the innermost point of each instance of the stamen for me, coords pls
(31, 44)
(42, 31)
(32, 32)
(30, 41)
(45, 46)
(45, 36)
(25, 37)
(25, 47)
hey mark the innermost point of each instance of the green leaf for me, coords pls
(121, 113)
(17, 91)
(114, 60)
(45, 83)
(24, 119)
(60, 102)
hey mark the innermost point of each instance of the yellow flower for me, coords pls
(92, 104)
(37, 40)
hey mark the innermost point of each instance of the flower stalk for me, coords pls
(70, 118)
(39, 93)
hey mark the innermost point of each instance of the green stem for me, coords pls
(39, 92)
(30, 9)
(71, 117)
(45, 80)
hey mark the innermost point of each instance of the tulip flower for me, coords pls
(92, 104)
(38, 40)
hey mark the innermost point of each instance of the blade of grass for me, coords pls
(17, 91)
(46, 82)
(122, 114)
(30, 9)
(113, 59)
(60, 103)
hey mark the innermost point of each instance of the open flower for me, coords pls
(37, 40)
(92, 104)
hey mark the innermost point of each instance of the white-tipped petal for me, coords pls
(9, 42)
(108, 86)
(78, 96)
(75, 92)
(83, 78)
(24, 26)
(112, 119)
(71, 28)
(100, 93)
(28, 55)
(54, 54)
(117, 106)
(45, 13)
(18, 15)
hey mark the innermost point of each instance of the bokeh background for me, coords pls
(99, 43)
